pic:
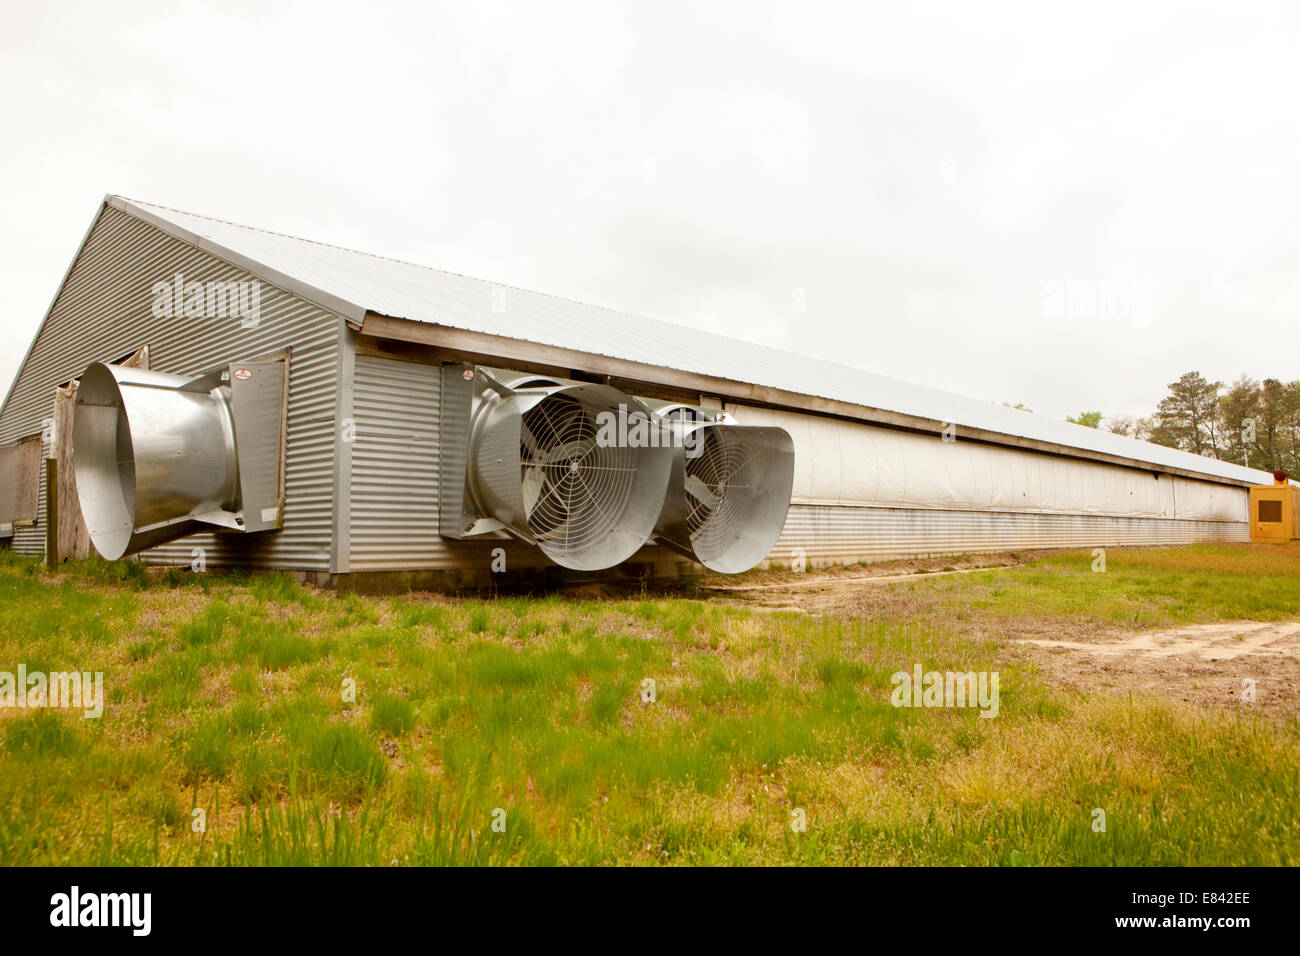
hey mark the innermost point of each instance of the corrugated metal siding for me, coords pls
(394, 501)
(103, 313)
(836, 534)
(395, 468)
(394, 495)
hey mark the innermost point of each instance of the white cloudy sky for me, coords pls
(930, 180)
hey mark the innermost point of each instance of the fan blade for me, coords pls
(529, 440)
(570, 450)
(533, 483)
(701, 491)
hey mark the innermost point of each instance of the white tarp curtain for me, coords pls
(844, 463)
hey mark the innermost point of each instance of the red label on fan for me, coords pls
(243, 374)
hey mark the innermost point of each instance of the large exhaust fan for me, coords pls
(730, 488)
(160, 456)
(580, 470)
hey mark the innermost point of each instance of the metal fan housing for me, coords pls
(545, 463)
(730, 489)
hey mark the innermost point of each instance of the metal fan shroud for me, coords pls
(730, 491)
(540, 463)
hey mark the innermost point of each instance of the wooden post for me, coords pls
(74, 539)
(52, 512)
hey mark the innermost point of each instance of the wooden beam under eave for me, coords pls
(616, 370)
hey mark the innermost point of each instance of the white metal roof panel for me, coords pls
(353, 283)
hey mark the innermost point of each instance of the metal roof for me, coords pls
(353, 283)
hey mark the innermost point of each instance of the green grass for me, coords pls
(313, 728)
(1139, 587)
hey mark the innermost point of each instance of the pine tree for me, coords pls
(1086, 419)
(1241, 414)
(1189, 416)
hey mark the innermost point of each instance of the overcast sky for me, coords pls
(1065, 207)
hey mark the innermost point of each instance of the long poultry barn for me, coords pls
(205, 393)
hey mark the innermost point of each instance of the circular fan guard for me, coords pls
(722, 487)
(575, 489)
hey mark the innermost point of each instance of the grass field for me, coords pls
(229, 695)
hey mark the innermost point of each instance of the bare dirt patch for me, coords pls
(1207, 642)
(845, 590)
(1203, 664)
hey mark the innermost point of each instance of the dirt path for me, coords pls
(1207, 642)
(1217, 664)
(817, 581)
(1204, 664)
(841, 590)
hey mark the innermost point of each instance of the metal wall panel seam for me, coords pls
(341, 547)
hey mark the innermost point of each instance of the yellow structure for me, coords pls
(1275, 510)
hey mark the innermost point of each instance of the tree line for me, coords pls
(1249, 422)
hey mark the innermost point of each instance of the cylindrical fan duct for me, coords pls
(152, 454)
(730, 489)
(580, 470)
